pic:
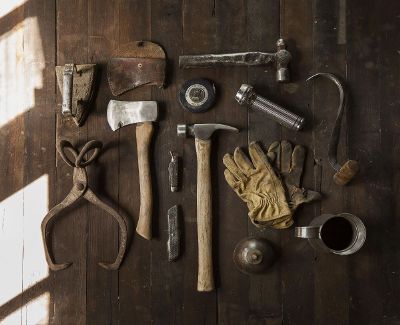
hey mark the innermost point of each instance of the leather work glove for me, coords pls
(257, 184)
(290, 163)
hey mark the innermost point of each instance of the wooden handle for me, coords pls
(346, 173)
(144, 132)
(205, 280)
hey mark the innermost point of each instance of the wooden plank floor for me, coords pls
(355, 39)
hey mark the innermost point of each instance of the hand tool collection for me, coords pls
(268, 182)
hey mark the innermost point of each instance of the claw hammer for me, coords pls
(202, 134)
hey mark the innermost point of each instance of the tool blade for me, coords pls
(121, 113)
(174, 234)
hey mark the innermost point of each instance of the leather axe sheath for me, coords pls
(136, 64)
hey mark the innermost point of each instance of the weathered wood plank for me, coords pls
(70, 231)
(39, 158)
(11, 169)
(373, 76)
(263, 19)
(331, 284)
(198, 28)
(167, 292)
(134, 22)
(230, 213)
(102, 285)
(297, 256)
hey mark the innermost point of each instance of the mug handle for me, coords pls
(307, 232)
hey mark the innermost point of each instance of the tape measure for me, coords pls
(197, 95)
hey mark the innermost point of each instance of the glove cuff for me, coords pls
(269, 212)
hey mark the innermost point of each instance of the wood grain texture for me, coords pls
(144, 132)
(70, 301)
(133, 23)
(102, 285)
(262, 34)
(205, 276)
(354, 39)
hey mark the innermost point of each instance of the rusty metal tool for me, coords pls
(142, 113)
(173, 172)
(346, 172)
(247, 96)
(76, 84)
(202, 134)
(281, 58)
(136, 64)
(174, 234)
(79, 190)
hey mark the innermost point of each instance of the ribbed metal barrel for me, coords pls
(278, 113)
(246, 95)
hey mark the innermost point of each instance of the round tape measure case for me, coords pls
(197, 95)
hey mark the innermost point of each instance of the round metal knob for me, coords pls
(253, 255)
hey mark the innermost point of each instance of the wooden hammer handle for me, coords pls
(144, 132)
(205, 280)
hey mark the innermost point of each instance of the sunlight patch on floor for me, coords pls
(22, 58)
(22, 251)
(6, 6)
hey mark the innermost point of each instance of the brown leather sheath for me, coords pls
(136, 64)
(128, 73)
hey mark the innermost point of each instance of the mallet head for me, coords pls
(202, 131)
(283, 58)
(121, 113)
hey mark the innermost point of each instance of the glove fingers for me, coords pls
(271, 157)
(298, 158)
(257, 156)
(231, 179)
(233, 168)
(274, 151)
(301, 196)
(286, 156)
(242, 161)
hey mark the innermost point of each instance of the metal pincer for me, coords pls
(81, 189)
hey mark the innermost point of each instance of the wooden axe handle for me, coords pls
(144, 132)
(205, 280)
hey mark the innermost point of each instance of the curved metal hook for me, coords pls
(71, 198)
(345, 172)
(123, 227)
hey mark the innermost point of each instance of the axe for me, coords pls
(143, 113)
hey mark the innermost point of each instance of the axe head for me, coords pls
(121, 113)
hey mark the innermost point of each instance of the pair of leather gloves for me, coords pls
(269, 184)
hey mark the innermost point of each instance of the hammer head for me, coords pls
(282, 57)
(121, 113)
(202, 131)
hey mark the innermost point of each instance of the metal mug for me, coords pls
(341, 234)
